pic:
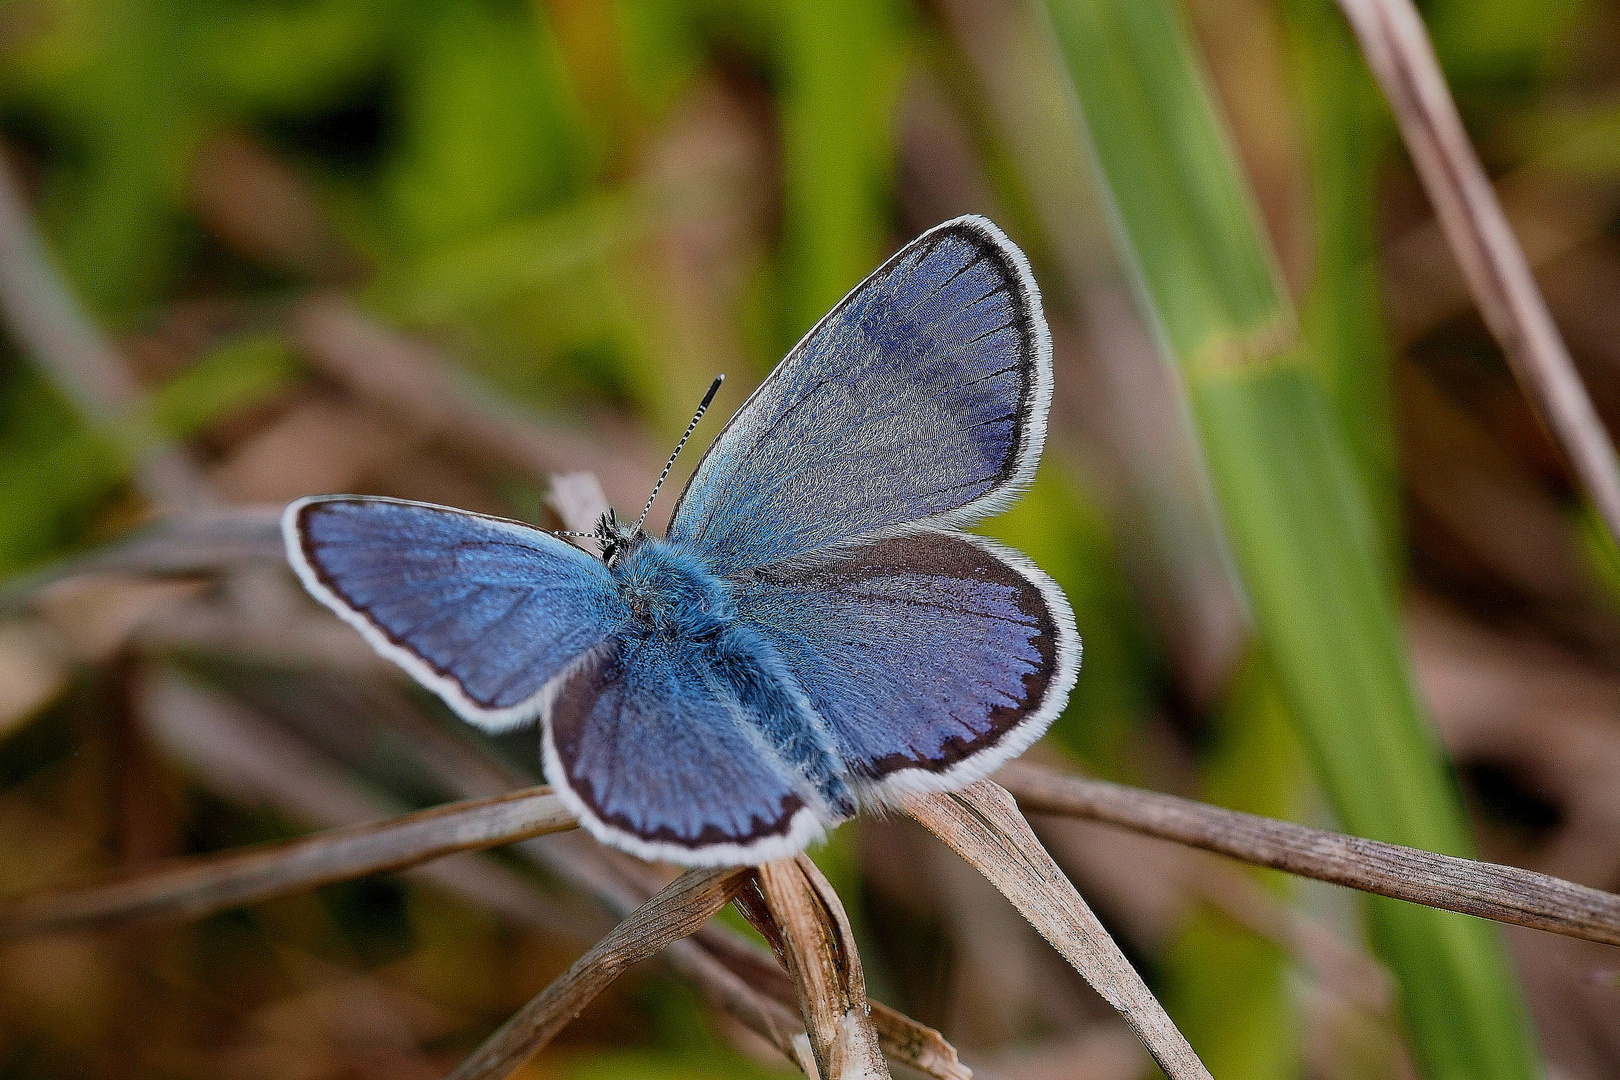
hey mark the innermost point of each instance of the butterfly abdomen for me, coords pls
(768, 697)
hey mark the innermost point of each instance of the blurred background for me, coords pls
(446, 250)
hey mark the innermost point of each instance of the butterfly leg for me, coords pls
(760, 683)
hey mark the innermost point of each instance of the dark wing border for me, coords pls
(798, 830)
(1032, 410)
(893, 788)
(310, 575)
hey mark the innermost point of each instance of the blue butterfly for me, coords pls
(813, 635)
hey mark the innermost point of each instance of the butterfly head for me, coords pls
(616, 537)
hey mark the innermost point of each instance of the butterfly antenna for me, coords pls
(703, 407)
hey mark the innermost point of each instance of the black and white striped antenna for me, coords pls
(703, 407)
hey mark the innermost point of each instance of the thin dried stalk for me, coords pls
(917, 1046)
(1488, 890)
(247, 758)
(676, 912)
(620, 885)
(1398, 50)
(52, 328)
(204, 542)
(202, 886)
(617, 883)
(903, 1040)
(732, 974)
(740, 998)
(818, 950)
(578, 499)
(574, 495)
(982, 824)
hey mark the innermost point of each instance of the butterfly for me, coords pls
(814, 634)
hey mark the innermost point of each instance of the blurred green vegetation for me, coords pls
(592, 206)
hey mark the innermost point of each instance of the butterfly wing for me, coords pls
(483, 611)
(921, 399)
(649, 750)
(932, 657)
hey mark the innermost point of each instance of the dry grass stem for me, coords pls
(198, 887)
(916, 1046)
(772, 996)
(248, 759)
(1488, 890)
(51, 327)
(1402, 58)
(676, 912)
(573, 496)
(807, 925)
(902, 1039)
(201, 542)
(756, 1008)
(728, 971)
(621, 884)
(982, 824)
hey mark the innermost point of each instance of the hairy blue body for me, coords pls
(670, 594)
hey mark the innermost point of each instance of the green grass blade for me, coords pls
(1347, 133)
(1296, 513)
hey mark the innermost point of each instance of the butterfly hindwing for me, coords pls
(931, 657)
(655, 756)
(483, 611)
(921, 397)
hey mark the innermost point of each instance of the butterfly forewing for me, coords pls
(483, 611)
(922, 397)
